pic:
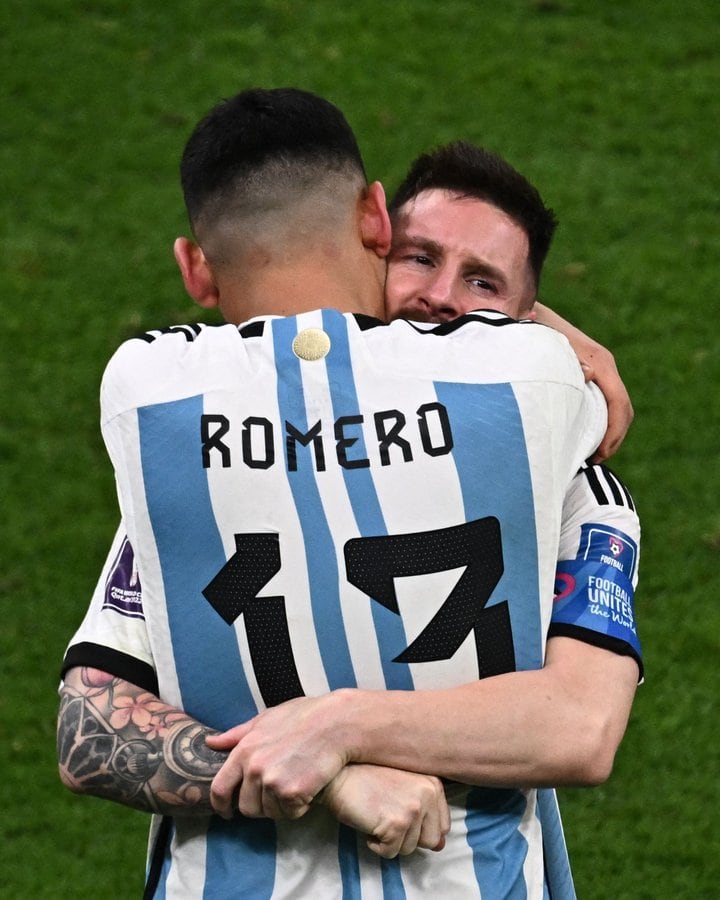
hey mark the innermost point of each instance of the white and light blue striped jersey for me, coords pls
(378, 507)
(598, 515)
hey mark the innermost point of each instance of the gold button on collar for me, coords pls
(311, 344)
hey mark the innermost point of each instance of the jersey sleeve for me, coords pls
(113, 635)
(597, 570)
(595, 418)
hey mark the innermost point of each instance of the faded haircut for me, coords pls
(261, 149)
(471, 171)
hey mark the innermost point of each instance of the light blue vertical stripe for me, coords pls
(493, 468)
(390, 869)
(499, 849)
(209, 669)
(160, 891)
(319, 547)
(363, 497)
(557, 864)
(494, 472)
(393, 887)
(349, 863)
(240, 859)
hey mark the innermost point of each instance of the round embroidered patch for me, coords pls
(311, 344)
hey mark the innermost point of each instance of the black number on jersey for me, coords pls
(372, 565)
(234, 592)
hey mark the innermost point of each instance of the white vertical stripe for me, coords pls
(534, 867)
(314, 837)
(449, 873)
(186, 879)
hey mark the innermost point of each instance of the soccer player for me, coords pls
(346, 421)
(466, 235)
(464, 238)
(502, 219)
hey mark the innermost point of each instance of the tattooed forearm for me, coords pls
(116, 741)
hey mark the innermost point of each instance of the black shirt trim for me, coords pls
(604, 641)
(121, 665)
(162, 840)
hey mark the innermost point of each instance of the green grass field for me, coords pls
(611, 108)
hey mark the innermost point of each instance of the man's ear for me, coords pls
(196, 274)
(375, 220)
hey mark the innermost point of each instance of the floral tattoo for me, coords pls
(122, 743)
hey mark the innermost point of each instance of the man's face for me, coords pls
(452, 254)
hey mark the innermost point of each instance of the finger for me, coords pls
(294, 809)
(445, 818)
(224, 786)
(259, 804)
(587, 370)
(270, 806)
(432, 832)
(228, 739)
(275, 808)
(436, 823)
(444, 822)
(620, 418)
(221, 804)
(608, 445)
(412, 838)
(385, 849)
(250, 799)
(387, 838)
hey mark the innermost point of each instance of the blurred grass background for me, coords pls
(610, 108)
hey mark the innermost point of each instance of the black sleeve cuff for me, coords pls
(121, 665)
(605, 641)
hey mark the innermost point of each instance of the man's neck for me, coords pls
(288, 291)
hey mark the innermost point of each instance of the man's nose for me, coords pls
(439, 295)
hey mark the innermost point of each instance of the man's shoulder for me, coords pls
(142, 367)
(484, 325)
(486, 345)
(174, 338)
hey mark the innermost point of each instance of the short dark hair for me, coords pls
(471, 171)
(282, 135)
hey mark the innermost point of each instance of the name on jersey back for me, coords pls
(259, 442)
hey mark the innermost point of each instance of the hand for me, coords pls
(280, 760)
(400, 811)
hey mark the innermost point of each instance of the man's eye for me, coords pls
(421, 260)
(482, 284)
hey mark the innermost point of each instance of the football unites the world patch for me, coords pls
(595, 590)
